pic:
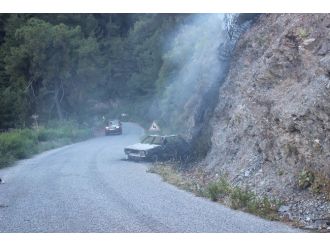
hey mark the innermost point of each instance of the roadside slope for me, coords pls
(271, 128)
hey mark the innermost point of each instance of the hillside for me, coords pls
(249, 92)
(270, 128)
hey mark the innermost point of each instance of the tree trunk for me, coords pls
(58, 106)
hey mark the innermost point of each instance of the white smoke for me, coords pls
(194, 51)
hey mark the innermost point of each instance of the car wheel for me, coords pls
(133, 158)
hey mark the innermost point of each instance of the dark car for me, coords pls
(114, 127)
(156, 147)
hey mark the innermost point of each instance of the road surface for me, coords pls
(88, 187)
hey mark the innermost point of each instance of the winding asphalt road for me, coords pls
(88, 187)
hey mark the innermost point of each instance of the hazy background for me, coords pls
(85, 66)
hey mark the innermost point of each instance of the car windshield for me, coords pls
(113, 122)
(157, 140)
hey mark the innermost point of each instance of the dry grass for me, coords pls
(168, 174)
(321, 185)
(219, 191)
(171, 175)
(316, 182)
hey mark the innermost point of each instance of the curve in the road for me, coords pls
(88, 187)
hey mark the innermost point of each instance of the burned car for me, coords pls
(158, 148)
(114, 127)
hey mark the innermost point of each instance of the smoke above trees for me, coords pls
(83, 66)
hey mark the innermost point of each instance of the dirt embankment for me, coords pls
(271, 127)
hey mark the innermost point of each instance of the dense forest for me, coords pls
(82, 66)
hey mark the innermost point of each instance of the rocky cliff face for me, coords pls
(271, 127)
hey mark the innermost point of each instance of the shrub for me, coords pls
(213, 191)
(302, 33)
(20, 144)
(5, 159)
(17, 144)
(80, 134)
(321, 184)
(46, 134)
(218, 189)
(222, 190)
(240, 198)
(264, 207)
(63, 130)
(305, 179)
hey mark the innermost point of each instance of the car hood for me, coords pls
(142, 146)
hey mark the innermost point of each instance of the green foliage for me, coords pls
(222, 191)
(19, 144)
(11, 107)
(219, 189)
(62, 130)
(263, 207)
(317, 182)
(213, 191)
(62, 66)
(48, 60)
(46, 134)
(240, 198)
(243, 199)
(305, 179)
(303, 33)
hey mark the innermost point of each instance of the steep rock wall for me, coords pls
(271, 127)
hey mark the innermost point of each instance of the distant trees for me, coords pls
(62, 65)
(47, 61)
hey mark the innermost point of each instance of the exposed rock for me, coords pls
(247, 173)
(273, 113)
(325, 63)
(283, 209)
(308, 43)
